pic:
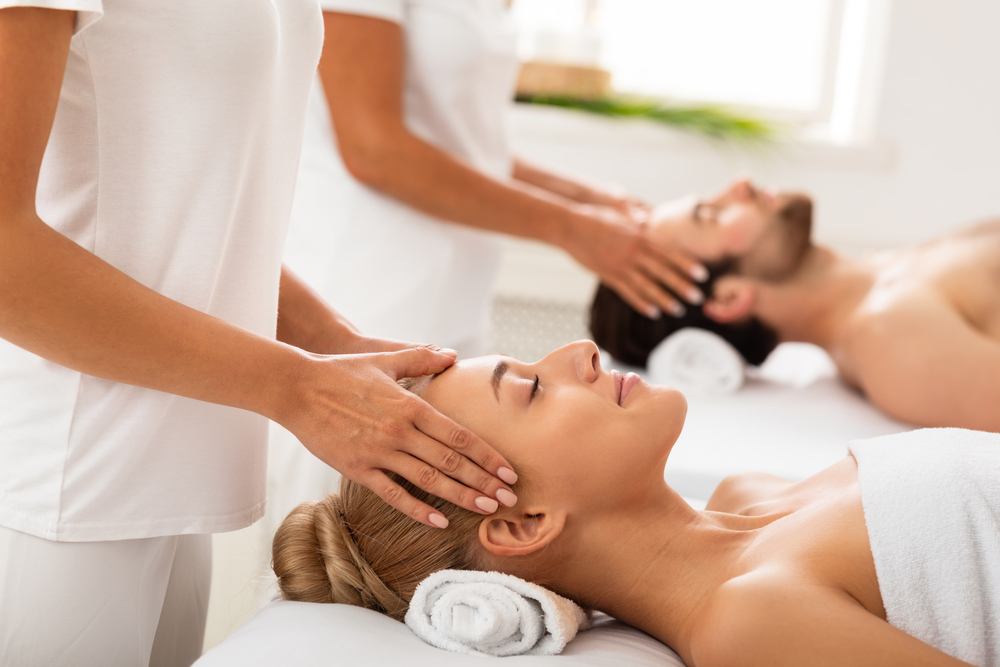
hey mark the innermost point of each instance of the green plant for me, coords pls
(716, 122)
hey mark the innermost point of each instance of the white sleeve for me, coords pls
(390, 10)
(87, 11)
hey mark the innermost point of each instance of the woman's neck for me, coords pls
(654, 566)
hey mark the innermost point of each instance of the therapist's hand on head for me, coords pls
(358, 420)
(616, 245)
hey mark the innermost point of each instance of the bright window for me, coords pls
(778, 55)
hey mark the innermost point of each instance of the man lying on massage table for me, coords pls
(916, 329)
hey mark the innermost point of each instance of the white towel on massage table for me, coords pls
(492, 613)
(695, 360)
(932, 506)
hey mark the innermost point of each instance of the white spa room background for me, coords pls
(891, 117)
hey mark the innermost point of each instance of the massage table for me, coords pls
(792, 418)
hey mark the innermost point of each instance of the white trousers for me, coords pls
(129, 603)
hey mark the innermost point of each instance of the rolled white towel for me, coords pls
(492, 613)
(698, 361)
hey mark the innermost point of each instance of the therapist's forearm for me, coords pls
(571, 187)
(67, 305)
(308, 322)
(421, 175)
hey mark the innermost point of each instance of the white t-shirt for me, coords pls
(173, 157)
(392, 270)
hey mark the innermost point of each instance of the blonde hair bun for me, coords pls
(317, 559)
(353, 548)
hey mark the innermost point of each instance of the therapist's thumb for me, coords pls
(417, 361)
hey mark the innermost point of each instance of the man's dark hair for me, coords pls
(630, 336)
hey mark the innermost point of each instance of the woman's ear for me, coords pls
(733, 299)
(520, 534)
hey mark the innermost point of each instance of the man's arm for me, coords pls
(67, 305)
(921, 362)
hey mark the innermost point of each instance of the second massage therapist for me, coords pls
(417, 92)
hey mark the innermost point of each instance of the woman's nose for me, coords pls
(584, 358)
(742, 189)
(576, 362)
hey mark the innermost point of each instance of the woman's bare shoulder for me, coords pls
(773, 617)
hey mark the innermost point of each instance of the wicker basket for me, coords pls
(557, 79)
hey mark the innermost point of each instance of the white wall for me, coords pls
(932, 164)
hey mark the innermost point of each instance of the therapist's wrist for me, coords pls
(279, 391)
(562, 225)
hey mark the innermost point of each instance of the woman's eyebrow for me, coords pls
(498, 373)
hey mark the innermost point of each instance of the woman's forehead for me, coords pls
(465, 374)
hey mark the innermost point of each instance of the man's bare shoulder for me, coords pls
(990, 227)
(918, 359)
(891, 316)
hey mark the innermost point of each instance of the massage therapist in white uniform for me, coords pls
(407, 176)
(148, 152)
(399, 198)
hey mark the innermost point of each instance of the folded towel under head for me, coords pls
(696, 361)
(492, 613)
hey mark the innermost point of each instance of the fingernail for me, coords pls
(506, 498)
(507, 475)
(677, 310)
(653, 313)
(695, 297)
(449, 351)
(438, 520)
(487, 505)
(699, 273)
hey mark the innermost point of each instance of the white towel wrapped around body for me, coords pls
(697, 361)
(492, 613)
(932, 507)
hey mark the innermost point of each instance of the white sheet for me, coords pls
(792, 418)
(323, 635)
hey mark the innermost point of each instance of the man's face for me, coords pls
(721, 227)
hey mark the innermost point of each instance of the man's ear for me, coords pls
(521, 534)
(733, 299)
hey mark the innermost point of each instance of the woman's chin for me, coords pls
(671, 400)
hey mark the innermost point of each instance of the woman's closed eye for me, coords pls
(534, 388)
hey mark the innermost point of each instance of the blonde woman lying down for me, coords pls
(888, 557)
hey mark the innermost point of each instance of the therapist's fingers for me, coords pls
(632, 297)
(417, 361)
(688, 265)
(432, 479)
(646, 296)
(350, 413)
(462, 455)
(396, 496)
(434, 453)
(367, 345)
(458, 442)
(654, 267)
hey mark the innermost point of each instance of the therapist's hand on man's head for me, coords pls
(358, 420)
(618, 248)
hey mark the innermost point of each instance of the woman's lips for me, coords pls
(628, 383)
